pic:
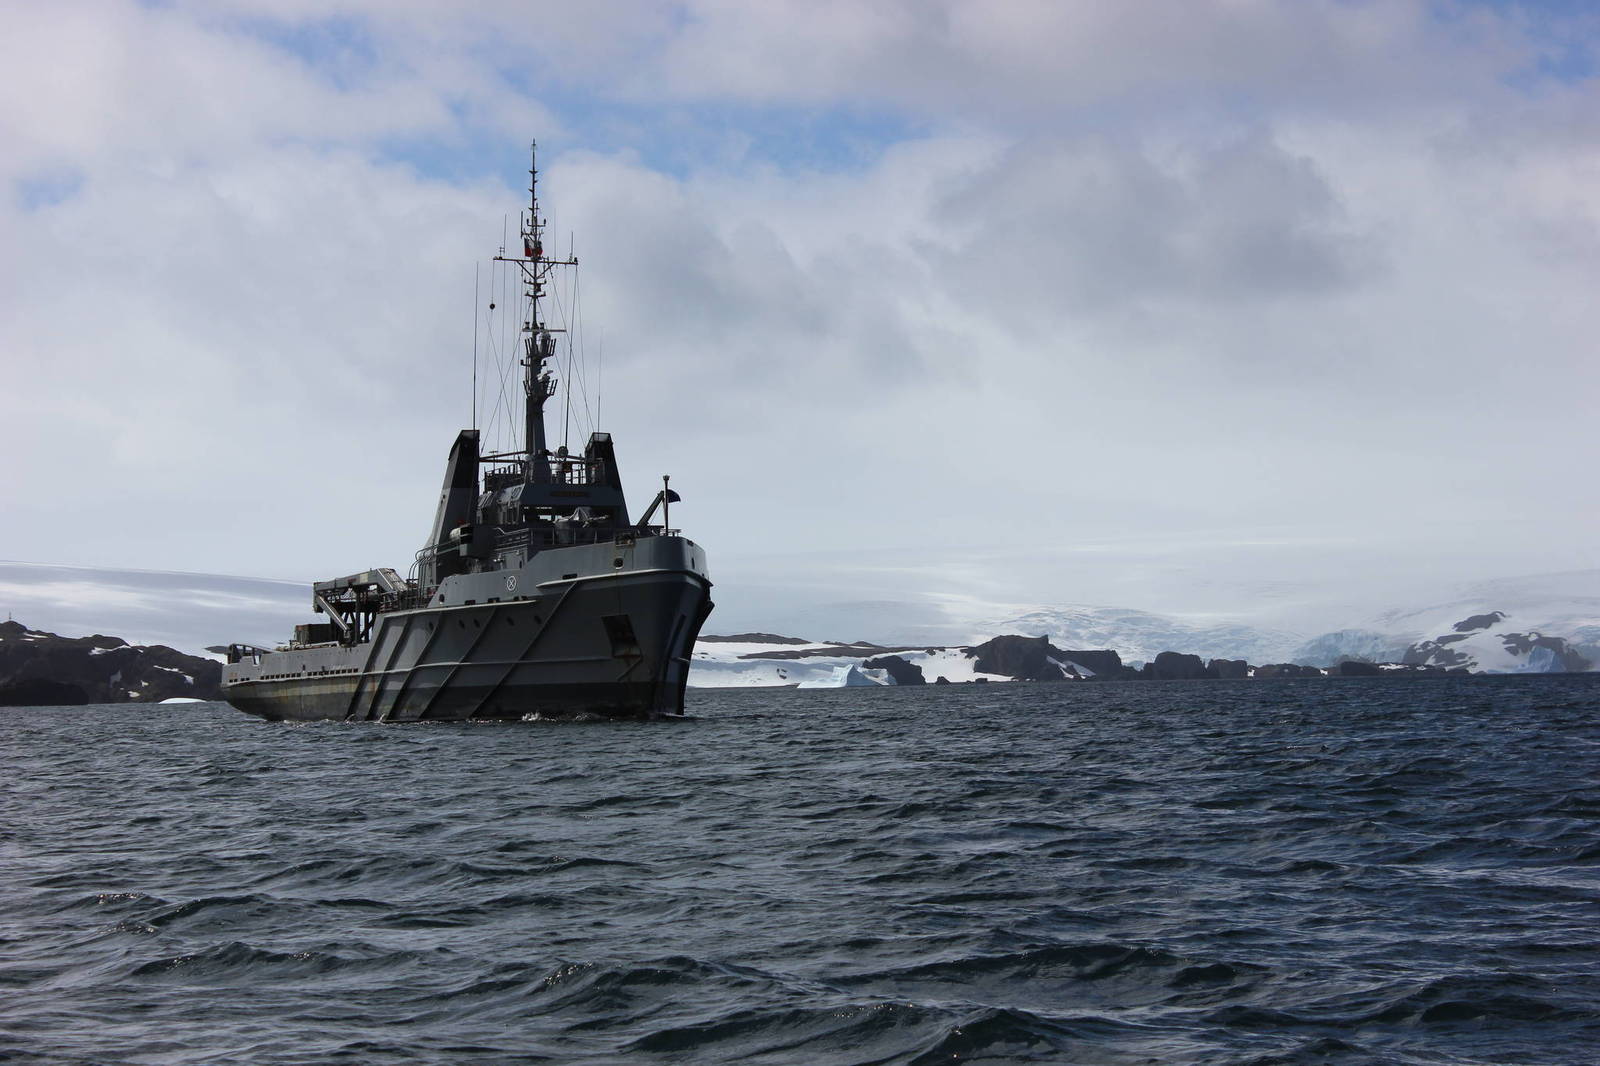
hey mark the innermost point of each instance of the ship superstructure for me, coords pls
(534, 595)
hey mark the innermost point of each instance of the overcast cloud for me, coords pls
(1236, 309)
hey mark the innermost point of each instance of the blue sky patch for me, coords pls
(678, 139)
(48, 189)
(341, 49)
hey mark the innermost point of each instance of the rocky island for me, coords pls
(43, 669)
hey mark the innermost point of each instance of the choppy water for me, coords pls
(1357, 871)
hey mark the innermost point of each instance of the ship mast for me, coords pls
(539, 342)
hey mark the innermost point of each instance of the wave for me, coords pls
(236, 961)
(1048, 975)
(1027, 873)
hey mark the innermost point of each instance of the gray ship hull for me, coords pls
(608, 645)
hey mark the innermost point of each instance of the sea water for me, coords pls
(1334, 871)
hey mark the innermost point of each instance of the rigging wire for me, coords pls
(575, 367)
(513, 334)
(508, 352)
(570, 314)
(564, 325)
(494, 351)
(502, 364)
(582, 376)
(476, 270)
(566, 395)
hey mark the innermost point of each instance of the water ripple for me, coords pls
(1367, 871)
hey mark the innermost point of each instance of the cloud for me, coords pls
(1034, 276)
(1024, 63)
(1094, 226)
(186, 611)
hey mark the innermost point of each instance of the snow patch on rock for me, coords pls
(1495, 643)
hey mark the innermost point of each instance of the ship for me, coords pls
(534, 596)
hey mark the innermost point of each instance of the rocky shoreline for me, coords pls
(1479, 644)
(44, 669)
(1022, 658)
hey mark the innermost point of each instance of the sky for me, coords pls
(1282, 312)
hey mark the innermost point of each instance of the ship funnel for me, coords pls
(458, 501)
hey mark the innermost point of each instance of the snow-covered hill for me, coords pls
(1140, 635)
(1564, 605)
(1494, 643)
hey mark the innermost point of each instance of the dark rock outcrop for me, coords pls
(1434, 653)
(1229, 669)
(1357, 668)
(104, 669)
(1176, 666)
(833, 651)
(752, 638)
(903, 672)
(1287, 670)
(1099, 663)
(1024, 658)
(1476, 622)
(1563, 657)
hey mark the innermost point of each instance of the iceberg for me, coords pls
(853, 675)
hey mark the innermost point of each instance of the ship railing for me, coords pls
(564, 469)
(553, 536)
(566, 537)
(406, 600)
(576, 470)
